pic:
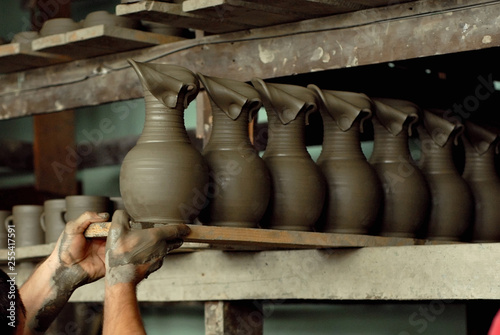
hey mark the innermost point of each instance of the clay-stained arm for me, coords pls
(75, 261)
(131, 255)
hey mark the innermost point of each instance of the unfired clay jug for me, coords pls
(163, 179)
(240, 181)
(298, 186)
(406, 193)
(354, 192)
(452, 206)
(481, 145)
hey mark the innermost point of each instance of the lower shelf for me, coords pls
(428, 272)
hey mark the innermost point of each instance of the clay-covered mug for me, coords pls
(116, 203)
(26, 219)
(76, 205)
(52, 219)
(3, 231)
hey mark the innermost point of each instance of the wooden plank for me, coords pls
(17, 57)
(261, 239)
(246, 12)
(304, 8)
(55, 159)
(99, 40)
(365, 37)
(173, 14)
(233, 317)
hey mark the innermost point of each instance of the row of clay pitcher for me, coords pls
(164, 179)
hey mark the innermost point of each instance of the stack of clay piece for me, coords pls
(165, 29)
(105, 18)
(59, 26)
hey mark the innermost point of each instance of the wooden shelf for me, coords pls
(392, 33)
(19, 56)
(429, 272)
(222, 16)
(99, 40)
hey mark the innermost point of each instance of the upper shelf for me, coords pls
(370, 36)
(222, 16)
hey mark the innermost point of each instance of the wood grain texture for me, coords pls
(229, 238)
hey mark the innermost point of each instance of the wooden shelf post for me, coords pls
(233, 318)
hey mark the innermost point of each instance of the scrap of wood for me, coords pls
(260, 239)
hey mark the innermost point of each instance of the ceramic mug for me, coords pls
(76, 205)
(3, 231)
(116, 203)
(26, 219)
(52, 219)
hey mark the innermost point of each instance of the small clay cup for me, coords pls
(116, 203)
(103, 17)
(3, 231)
(76, 205)
(58, 26)
(52, 219)
(26, 219)
(25, 37)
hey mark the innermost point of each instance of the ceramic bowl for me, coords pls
(105, 18)
(58, 26)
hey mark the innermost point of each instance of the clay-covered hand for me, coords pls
(131, 255)
(80, 260)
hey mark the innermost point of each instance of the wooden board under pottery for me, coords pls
(172, 13)
(229, 238)
(99, 40)
(20, 56)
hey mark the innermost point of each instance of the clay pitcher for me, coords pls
(163, 179)
(240, 181)
(406, 193)
(481, 145)
(452, 206)
(298, 186)
(354, 192)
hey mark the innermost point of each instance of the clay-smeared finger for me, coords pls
(120, 221)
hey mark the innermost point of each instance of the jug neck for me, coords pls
(434, 158)
(162, 123)
(389, 148)
(339, 144)
(286, 140)
(228, 133)
(479, 166)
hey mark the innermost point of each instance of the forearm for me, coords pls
(121, 310)
(44, 294)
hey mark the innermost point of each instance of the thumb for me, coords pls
(119, 223)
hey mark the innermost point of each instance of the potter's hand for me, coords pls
(131, 255)
(85, 257)
(75, 261)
